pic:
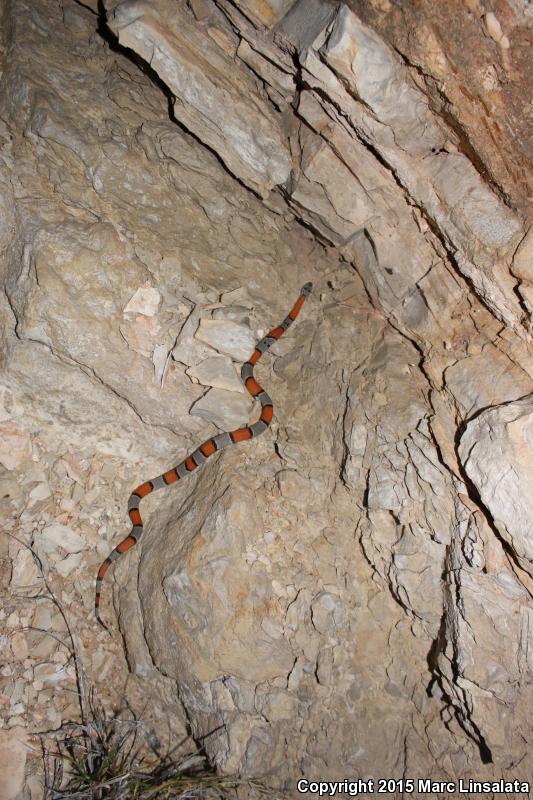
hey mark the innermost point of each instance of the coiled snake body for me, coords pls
(207, 449)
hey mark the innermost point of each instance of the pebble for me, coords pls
(40, 492)
(25, 573)
(239, 314)
(218, 372)
(19, 646)
(15, 445)
(68, 564)
(226, 410)
(237, 296)
(145, 301)
(227, 337)
(55, 535)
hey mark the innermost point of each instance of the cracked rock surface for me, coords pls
(349, 595)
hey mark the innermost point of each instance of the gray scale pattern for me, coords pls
(258, 427)
(182, 470)
(264, 399)
(222, 440)
(247, 371)
(198, 457)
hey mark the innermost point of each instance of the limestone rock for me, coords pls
(225, 409)
(25, 576)
(267, 12)
(55, 535)
(219, 372)
(491, 77)
(227, 337)
(145, 301)
(449, 187)
(221, 107)
(495, 451)
(280, 80)
(15, 445)
(13, 754)
(354, 587)
(466, 380)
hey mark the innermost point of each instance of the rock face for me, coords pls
(221, 106)
(350, 594)
(495, 452)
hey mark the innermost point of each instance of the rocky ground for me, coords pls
(350, 595)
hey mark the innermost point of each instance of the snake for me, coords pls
(205, 450)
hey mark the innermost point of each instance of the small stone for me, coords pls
(226, 410)
(12, 761)
(50, 673)
(19, 646)
(238, 314)
(278, 706)
(494, 29)
(68, 564)
(140, 334)
(56, 535)
(187, 350)
(15, 445)
(327, 612)
(45, 648)
(291, 484)
(227, 337)
(238, 296)
(9, 407)
(145, 301)
(25, 574)
(67, 504)
(40, 492)
(54, 718)
(75, 469)
(218, 372)
(161, 361)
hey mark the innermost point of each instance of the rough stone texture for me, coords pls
(352, 68)
(495, 451)
(472, 77)
(221, 107)
(350, 594)
(13, 752)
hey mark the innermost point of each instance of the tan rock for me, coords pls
(145, 301)
(15, 445)
(13, 753)
(472, 392)
(219, 372)
(228, 337)
(249, 138)
(225, 409)
(353, 568)
(26, 575)
(265, 12)
(495, 451)
(55, 536)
